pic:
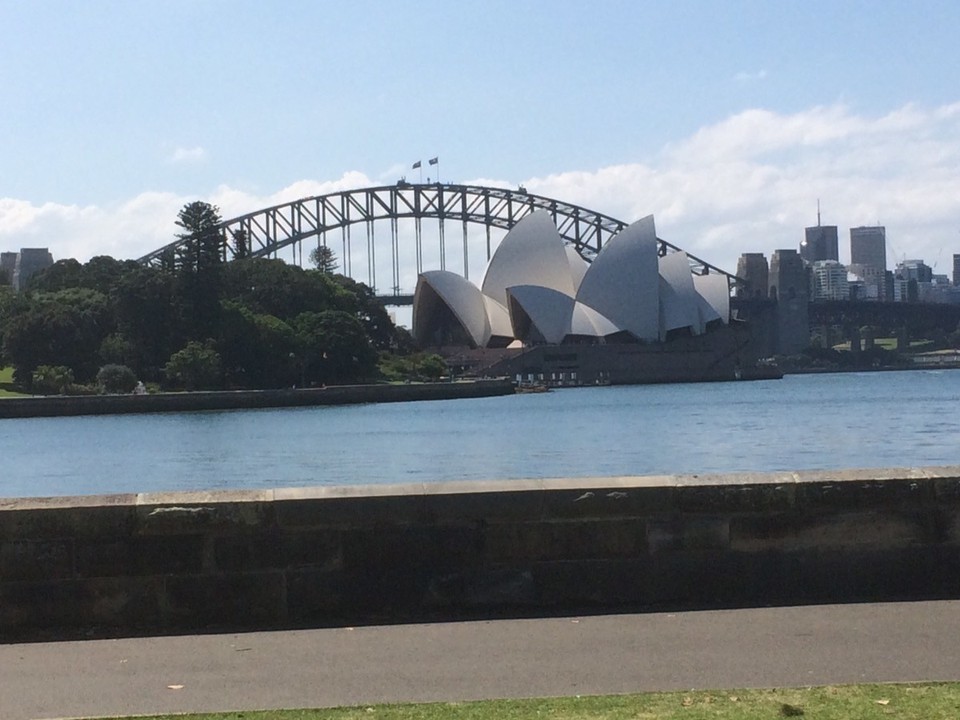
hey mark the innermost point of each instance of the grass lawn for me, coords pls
(907, 702)
(6, 383)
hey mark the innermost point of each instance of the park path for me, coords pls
(790, 646)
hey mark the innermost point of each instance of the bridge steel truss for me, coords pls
(264, 232)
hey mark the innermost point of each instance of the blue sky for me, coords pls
(727, 121)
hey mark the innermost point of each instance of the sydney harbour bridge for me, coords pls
(369, 231)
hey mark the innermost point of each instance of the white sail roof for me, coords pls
(679, 304)
(536, 289)
(463, 299)
(622, 283)
(715, 290)
(542, 309)
(532, 253)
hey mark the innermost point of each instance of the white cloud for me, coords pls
(188, 155)
(745, 77)
(748, 183)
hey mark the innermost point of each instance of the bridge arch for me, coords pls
(264, 232)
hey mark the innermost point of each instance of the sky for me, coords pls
(728, 121)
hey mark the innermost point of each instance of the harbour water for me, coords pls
(850, 420)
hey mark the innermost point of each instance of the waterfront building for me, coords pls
(868, 246)
(537, 290)
(828, 281)
(753, 268)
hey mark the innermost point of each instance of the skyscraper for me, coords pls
(753, 268)
(820, 243)
(829, 281)
(956, 269)
(868, 246)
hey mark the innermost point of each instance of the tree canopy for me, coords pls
(196, 321)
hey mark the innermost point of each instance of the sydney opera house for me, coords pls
(631, 315)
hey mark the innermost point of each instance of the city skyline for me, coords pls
(727, 123)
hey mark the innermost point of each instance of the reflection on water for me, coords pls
(800, 422)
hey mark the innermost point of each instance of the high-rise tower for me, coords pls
(868, 246)
(819, 242)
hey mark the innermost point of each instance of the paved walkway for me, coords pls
(461, 661)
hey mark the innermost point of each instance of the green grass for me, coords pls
(6, 384)
(906, 702)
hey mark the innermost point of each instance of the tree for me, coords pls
(63, 274)
(195, 367)
(199, 260)
(257, 349)
(335, 348)
(116, 379)
(144, 301)
(361, 301)
(323, 259)
(61, 328)
(241, 244)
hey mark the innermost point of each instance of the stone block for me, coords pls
(736, 497)
(179, 519)
(259, 549)
(948, 525)
(75, 605)
(107, 557)
(893, 529)
(614, 498)
(317, 595)
(593, 583)
(252, 599)
(848, 491)
(501, 588)
(168, 554)
(946, 490)
(687, 532)
(319, 549)
(762, 532)
(36, 559)
(443, 505)
(39, 519)
(564, 540)
(347, 511)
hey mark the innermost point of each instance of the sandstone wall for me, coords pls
(256, 559)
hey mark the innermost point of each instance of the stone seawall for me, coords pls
(253, 559)
(52, 406)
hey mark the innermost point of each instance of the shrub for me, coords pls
(116, 379)
(195, 367)
(51, 379)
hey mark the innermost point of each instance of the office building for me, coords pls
(956, 269)
(828, 281)
(8, 264)
(819, 243)
(868, 246)
(29, 262)
(753, 268)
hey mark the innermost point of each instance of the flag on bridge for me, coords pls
(416, 165)
(434, 161)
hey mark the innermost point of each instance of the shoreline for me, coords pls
(63, 405)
